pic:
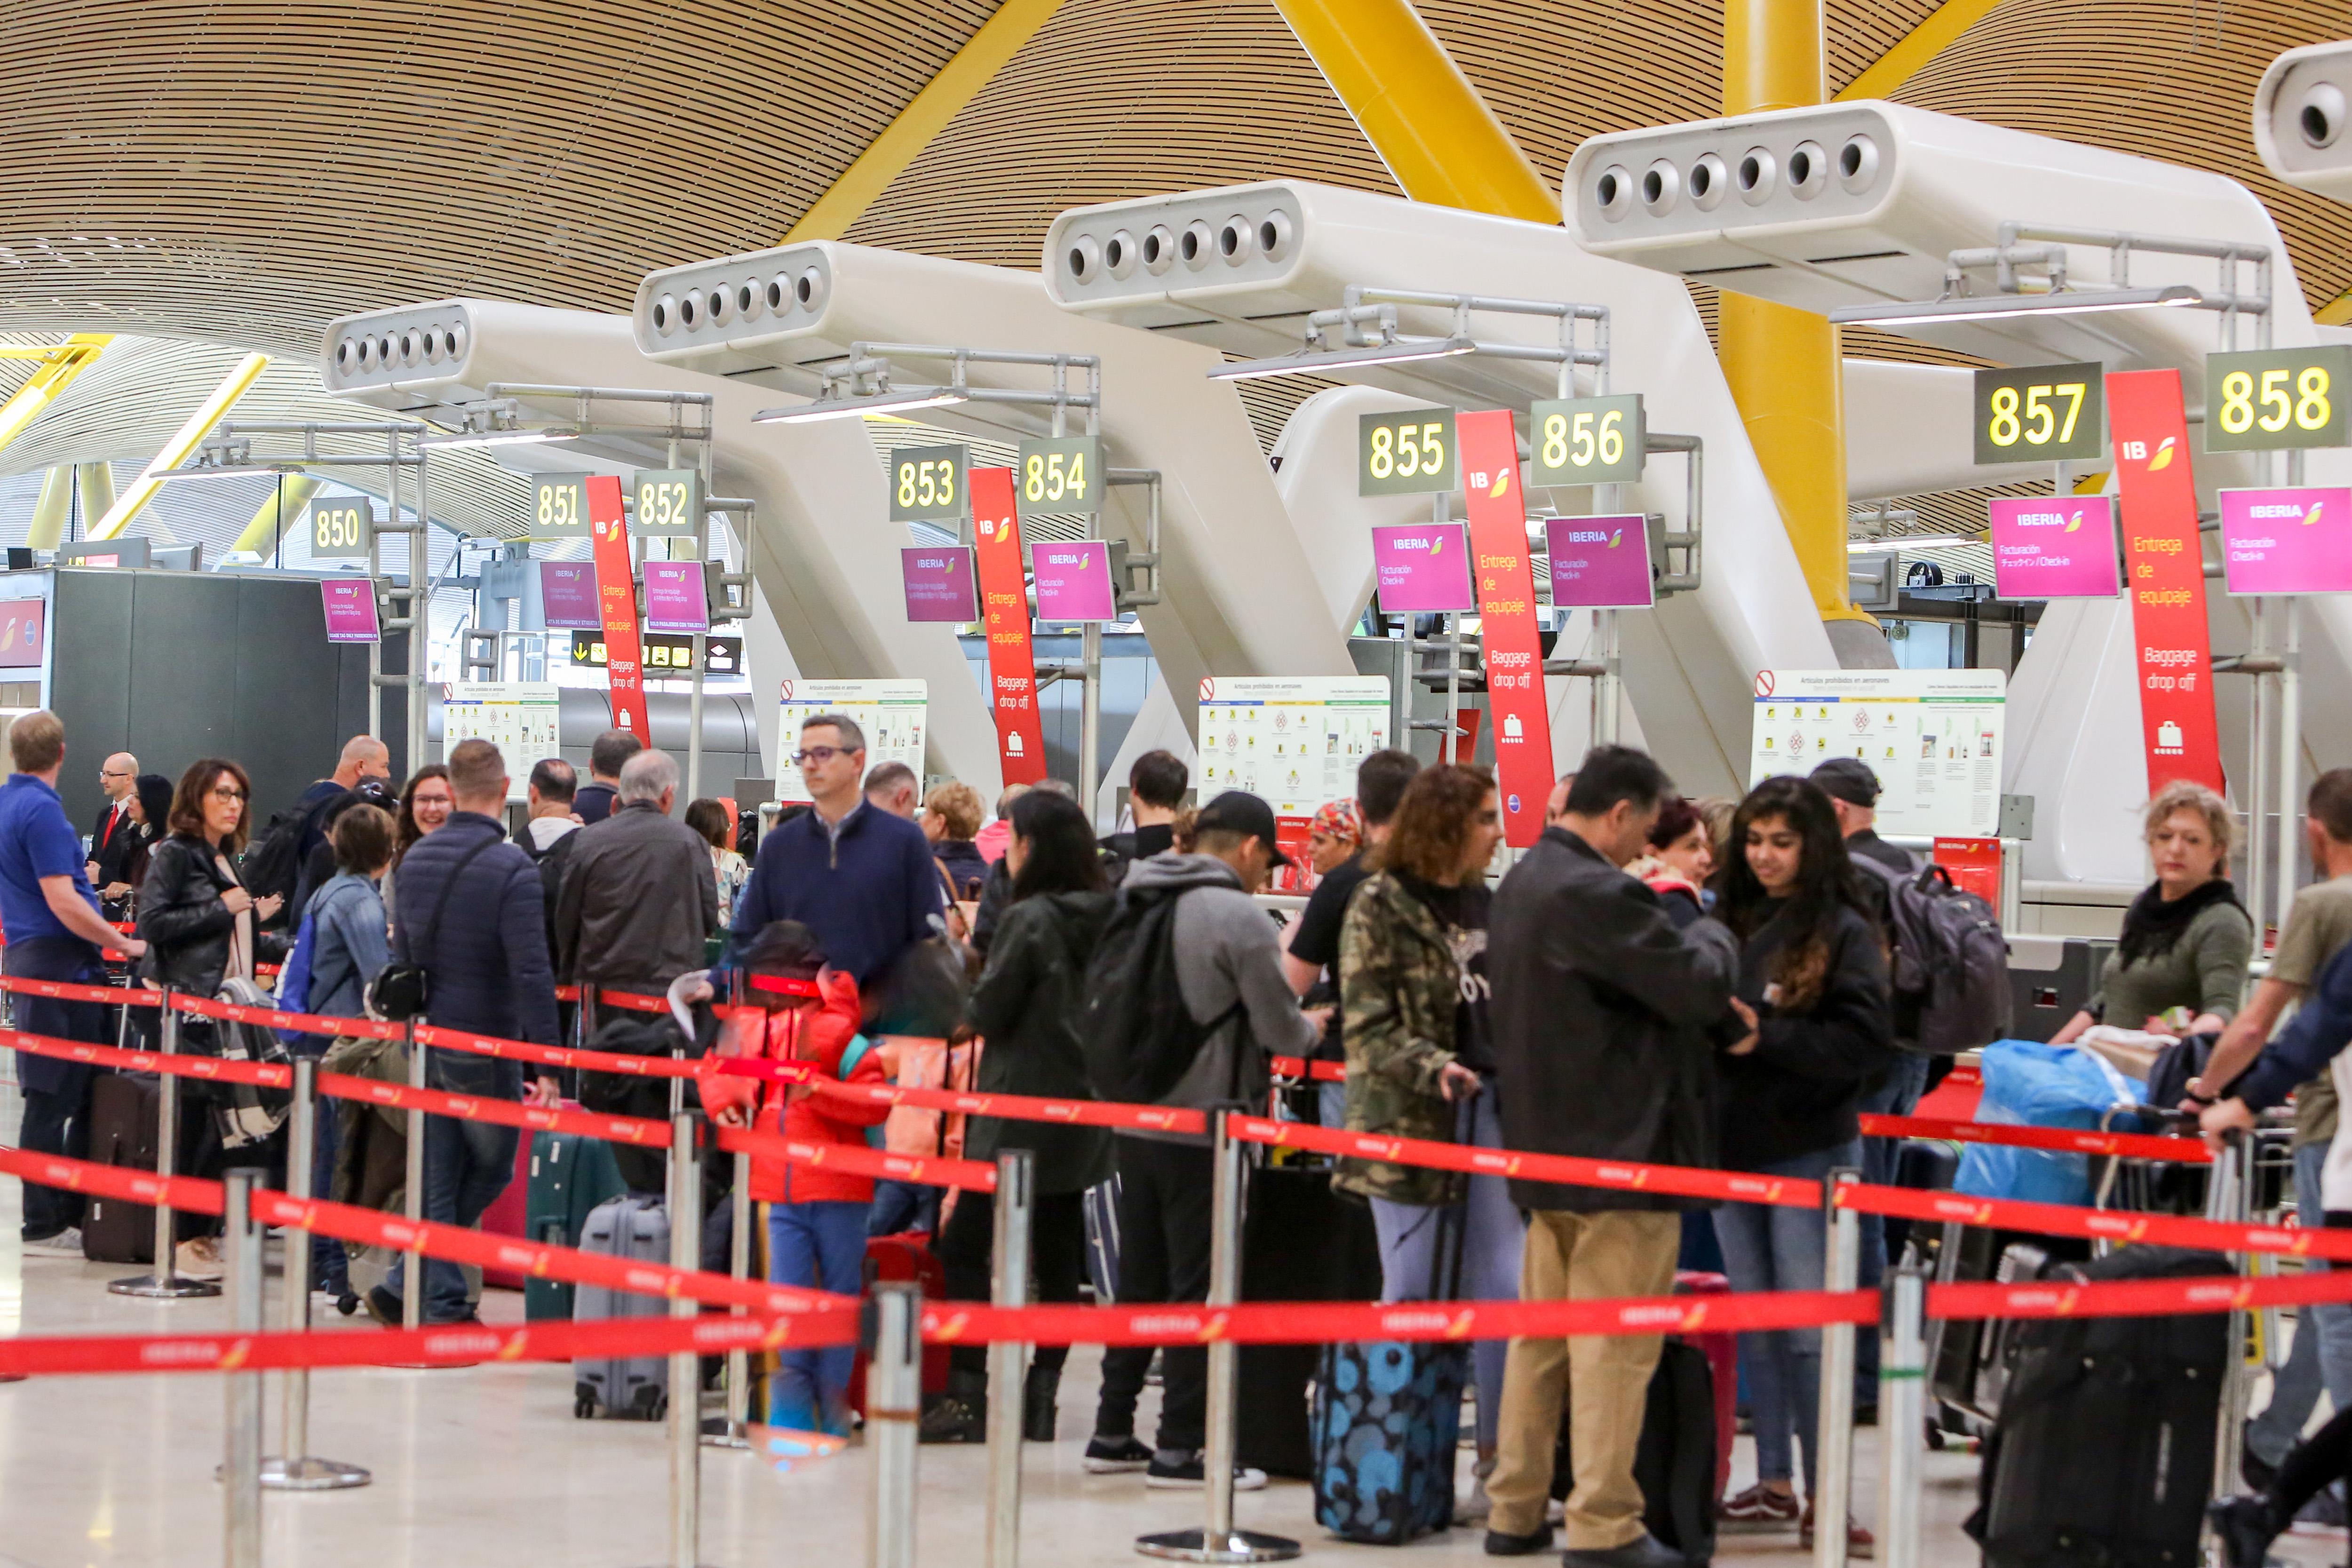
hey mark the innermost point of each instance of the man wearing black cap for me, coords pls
(1852, 790)
(1229, 972)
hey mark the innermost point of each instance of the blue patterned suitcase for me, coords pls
(1388, 1420)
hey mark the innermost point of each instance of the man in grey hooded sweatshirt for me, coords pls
(1229, 970)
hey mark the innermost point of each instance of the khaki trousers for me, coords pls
(1577, 1258)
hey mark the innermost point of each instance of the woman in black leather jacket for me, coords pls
(200, 923)
(202, 926)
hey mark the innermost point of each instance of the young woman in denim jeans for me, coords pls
(1813, 979)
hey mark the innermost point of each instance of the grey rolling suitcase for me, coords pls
(634, 1226)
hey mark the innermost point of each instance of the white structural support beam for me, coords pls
(821, 550)
(1295, 249)
(1235, 573)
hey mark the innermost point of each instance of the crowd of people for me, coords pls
(1694, 983)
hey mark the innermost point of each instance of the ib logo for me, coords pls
(1512, 805)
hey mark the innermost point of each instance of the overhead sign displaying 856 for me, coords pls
(2040, 412)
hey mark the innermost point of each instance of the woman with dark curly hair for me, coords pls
(1421, 1053)
(1814, 988)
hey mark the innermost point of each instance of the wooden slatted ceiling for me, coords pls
(246, 172)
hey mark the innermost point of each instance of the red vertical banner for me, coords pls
(2164, 571)
(616, 599)
(1004, 607)
(1506, 616)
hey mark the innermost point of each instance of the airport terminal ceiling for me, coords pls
(238, 175)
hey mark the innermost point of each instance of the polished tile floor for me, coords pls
(486, 1465)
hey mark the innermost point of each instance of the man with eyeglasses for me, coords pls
(857, 877)
(111, 841)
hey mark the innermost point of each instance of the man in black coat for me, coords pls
(1606, 1020)
(468, 913)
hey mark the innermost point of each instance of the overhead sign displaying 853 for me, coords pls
(2040, 412)
(927, 484)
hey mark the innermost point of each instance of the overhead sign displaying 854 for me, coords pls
(2275, 398)
(2040, 412)
(1406, 453)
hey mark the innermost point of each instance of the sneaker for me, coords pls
(1645, 1551)
(1759, 1507)
(66, 1243)
(1499, 1545)
(1159, 1473)
(1860, 1543)
(1115, 1456)
(199, 1259)
(2244, 1528)
(953, 1419)
(385, 1307)
(2325, 1509)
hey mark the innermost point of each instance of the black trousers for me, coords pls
(1058, 1261)
(54, 1124)
(1164, 1213)
(2322, 1458)
(57, 1093)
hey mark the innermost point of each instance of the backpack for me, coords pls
(294, 979)
(1138, 1037)
(1951, 962)
(273, 862)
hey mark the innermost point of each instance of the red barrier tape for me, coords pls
(640, 1131)
(113, 995)
(261, 1074)
(271, 1018)
(853, 1160)
(1679, 1181)
(2137, 1297)
(1297, 1069)
(556, 1056)
(2064, 1139)
(191, 1194)
(2097, 1224)
(1015, 1107)
(451, 1346)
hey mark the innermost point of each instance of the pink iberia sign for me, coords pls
(1600, 562)
(2287, 540)
(1423, 568)
(2055, 547)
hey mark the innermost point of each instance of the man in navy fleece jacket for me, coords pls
(860, 878)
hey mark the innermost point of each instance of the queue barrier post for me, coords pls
(1902, 1412)
(411, 1204)
(1218, 1541)
(1833, 1439)
(165, 1284)
(894, 1397)
(684, 1415)
(2228, 1197)
(297, 1469)
(241, 1456)
(1007, 1359)
(735, 1430)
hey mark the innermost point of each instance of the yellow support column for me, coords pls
(1416, 108)
(53, 511)
(272, 519)
(1784, 366)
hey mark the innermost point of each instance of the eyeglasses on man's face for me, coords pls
(820, 755)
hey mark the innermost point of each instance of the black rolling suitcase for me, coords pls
(1676, 1461)
(125, 1117)
(1301, 1241)
(2103, 1456)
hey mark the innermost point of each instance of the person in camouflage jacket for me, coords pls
(1399, 991)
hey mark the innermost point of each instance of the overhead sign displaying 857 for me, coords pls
(2040, 412)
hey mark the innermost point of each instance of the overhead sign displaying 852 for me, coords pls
(2040, 412)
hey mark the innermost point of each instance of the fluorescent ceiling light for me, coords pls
(2001, 307)
(1317, 361)
(225, 471)
(500, 437)
(1915, 541)
(857, 407)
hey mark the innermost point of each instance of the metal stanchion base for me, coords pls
(718, 1432)
(164, 1287)
(311, 1475)
(1199, 1546)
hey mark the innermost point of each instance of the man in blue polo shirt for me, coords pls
(50, 917)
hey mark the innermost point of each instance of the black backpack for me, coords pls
(1951, 961)
(273, 862)
(1138, 1037)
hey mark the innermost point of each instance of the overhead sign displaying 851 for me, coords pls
(2040, 412)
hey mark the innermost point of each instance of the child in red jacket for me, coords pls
(804, 1012)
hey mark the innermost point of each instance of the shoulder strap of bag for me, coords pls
(441, 905)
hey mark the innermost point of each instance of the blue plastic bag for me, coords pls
(2030, 1084)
